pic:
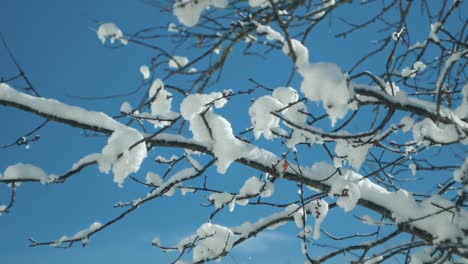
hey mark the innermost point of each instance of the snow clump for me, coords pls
(22, 171)
(354, 153)
(188, 12)
(213, 130)
(264, 122)
(110, 30)
(347, 191)
(319, 210)
(118, 155)
(177, 62)
(253, 186)
(210, 241)
(144, 70)
(161, 104)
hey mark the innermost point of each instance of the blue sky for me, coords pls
(55, 44)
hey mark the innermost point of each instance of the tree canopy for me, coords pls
(299, 111)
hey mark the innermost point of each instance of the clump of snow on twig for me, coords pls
(347, 191)
(212, 129)
(254, 185)
(188, 12)
(161, 104)
(319, 210)
(120, 154)
(177, 62)
(144, 70)
(354, 152)
(22, 171)
(210, 241)
(82, 235)
(110, 30)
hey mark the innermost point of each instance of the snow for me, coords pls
(118, 155)
(195, 104)
(126, 108)
(210, 241)
(392, 89)
(22, 171)
(253, 186)
(188, 12)
(218, 134)
(396, 35)
(302, 53)
(110, 30)
(407, 123)
(326, 83)
(427, 129)
(419, 66)
(56, 109)
(82, 235)
(177, 62)
(461, 174)
(324, 4)
(269, 33)
(262, 120)
(259, 3)
(161, 103)
(451, 60)
(260, 111)
(221, 199)
(355, 153)
(172, 28)
(286, 95)
(86, 159)
(373, 260)
(462, 109)
(153, 179)
(319, 210)
(413, 168)
(433, 33)
(347, 191)
(144, 70)
(248, 229)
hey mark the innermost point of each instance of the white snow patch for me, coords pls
(161, 104)
(326, 83)
(461, 174)
(172, 28)
(110, 30)
(319, 210)
(144, 70)
(221, 199)
(253, 186)
(269, 33)
(188, 12)
(347, 191)
(118, 155)
(126, 108)
(153, 179)
(22, 171)
(462, 109)
(86, 159)
(427, 129)
(210, 241)
(177, 62)
(355, 153)
(82, 235)
(407, 123)
(433, 33)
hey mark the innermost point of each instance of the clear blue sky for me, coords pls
(61, 55)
